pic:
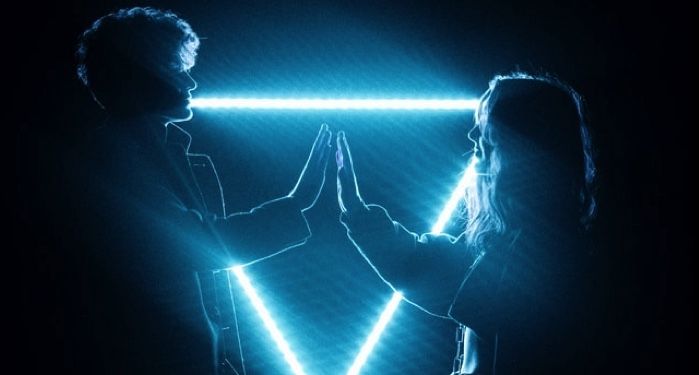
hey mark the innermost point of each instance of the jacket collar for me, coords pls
(178, 136)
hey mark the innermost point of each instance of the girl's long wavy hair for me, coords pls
(520, 115)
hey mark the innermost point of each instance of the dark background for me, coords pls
(633, 64)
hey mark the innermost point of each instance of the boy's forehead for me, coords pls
(164, 59)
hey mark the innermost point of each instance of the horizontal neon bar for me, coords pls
(337, 104)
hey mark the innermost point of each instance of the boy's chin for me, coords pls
(180, 116)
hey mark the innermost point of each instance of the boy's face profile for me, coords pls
(149, 87)
(165, 91)
(175, 95)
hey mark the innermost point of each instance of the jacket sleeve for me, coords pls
(242, 237)
(428, 269)
(263, 231)
(129, 198)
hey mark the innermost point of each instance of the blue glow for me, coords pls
(375, 334)
(337, 104)
(268, 321)
(468, 179)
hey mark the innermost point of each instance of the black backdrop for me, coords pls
(632, 62)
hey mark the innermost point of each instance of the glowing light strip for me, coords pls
(469, 360)
(268, 322)
(336, 104)
(375, 334)
(468, 179)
